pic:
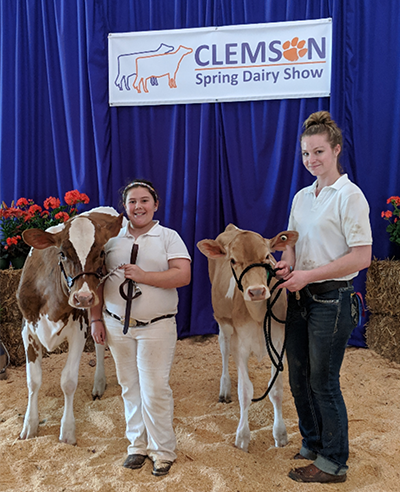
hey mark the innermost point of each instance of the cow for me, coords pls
(58, 285)
(127, 66)
(160, 65)
(240, 314)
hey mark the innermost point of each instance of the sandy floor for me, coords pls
(207, 459)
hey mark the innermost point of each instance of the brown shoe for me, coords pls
(311, 473)
(134, 461)
(299, 456)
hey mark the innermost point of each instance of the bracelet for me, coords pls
(94, 320)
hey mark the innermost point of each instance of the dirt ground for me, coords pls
(207, 458)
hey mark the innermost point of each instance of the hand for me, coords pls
(98, 332)
(283, 269)
(295, 281)
(133, 272)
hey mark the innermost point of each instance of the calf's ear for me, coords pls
(39, 239)
(211, 248)
(283, 239)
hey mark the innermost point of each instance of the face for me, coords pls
(140, 207)
(318, 156)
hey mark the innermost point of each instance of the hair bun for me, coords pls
(319, 118)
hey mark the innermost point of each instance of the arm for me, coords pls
(287, 262)
(96, 319)
(357, 259)
(177, 275)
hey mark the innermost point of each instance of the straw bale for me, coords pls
(383, 336)
(383, 287)
(11, 320)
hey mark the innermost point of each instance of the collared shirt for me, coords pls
(329, 224)
(156, 248)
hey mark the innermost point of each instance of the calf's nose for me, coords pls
(257, 294)
(83, 299)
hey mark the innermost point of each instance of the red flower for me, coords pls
(73, 197)
(395, 199)
(12, 240)
(387, 214)
(22, 202)
(51, 202)
(35, 208)
(62, 216)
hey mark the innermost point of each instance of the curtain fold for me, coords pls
(212, 163)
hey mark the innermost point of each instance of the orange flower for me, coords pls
(387, 214)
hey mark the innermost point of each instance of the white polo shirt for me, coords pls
(329, 224)
(156, 247)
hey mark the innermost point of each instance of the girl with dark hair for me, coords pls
(332, 219)
(142, 341)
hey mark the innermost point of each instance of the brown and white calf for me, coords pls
(58, 284)
(240, 315)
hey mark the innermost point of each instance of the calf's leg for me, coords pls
(245, 394)
(33, 351)
(224, 338)
(100, 382)
(276, 392)
(69, 382)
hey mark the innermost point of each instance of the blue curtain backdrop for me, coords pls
(212, 163)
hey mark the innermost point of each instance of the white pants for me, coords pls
(143, 359)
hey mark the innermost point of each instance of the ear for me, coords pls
(283, 239)
(231, 227)
(39, 239)
(211, 248)
(114, 227)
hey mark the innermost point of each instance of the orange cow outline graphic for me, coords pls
(157, 66)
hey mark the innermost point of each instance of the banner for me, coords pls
(248, 62)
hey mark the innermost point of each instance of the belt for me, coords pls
(321, 288)
(134, 322)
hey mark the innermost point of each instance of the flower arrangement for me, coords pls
(26, 214)
(393, 217)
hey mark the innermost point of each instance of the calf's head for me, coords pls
(78, 248)
(240, 249)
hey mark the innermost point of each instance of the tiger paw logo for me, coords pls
(294, 49)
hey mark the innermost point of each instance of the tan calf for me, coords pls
(240, 315)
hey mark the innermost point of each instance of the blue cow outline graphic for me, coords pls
(127, 65)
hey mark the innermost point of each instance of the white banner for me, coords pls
(217, 64)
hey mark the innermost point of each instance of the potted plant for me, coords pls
(382, 287)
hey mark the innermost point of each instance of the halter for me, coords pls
(275, 356)
(71, 280)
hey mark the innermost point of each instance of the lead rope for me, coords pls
(276, 358)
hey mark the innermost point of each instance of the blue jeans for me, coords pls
(317, 331)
